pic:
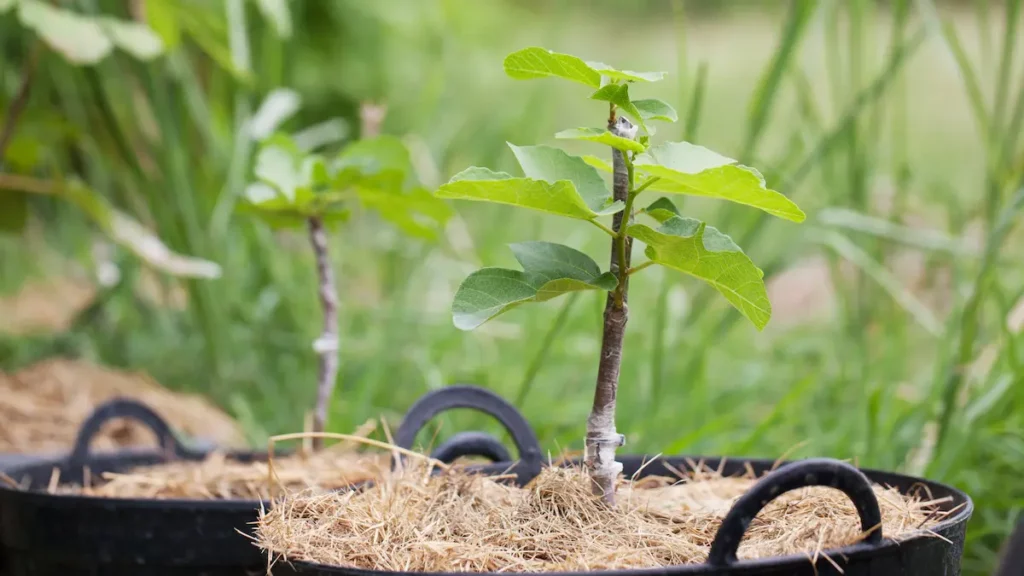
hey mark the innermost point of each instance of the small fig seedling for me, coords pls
(298, 188)
(572, 186)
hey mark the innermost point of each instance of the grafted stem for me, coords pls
(602, 438)
(326, 345)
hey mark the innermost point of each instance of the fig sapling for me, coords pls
(573, 187)
(297, 188)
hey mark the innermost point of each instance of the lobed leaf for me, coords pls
(601, 136)
(483, 184)
(554, 182)
(693, 247)
(618, 94)
(625, 75)
(599, 163)
(662, 209)
(686, 168)
(549, 270)
(536, 62)
(552, 165)
(654, 109)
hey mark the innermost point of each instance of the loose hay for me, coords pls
(42, 407)
(217, 478)
(456, 521)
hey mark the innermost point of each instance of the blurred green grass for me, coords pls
(859, 116)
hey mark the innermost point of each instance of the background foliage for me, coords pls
(896, 338)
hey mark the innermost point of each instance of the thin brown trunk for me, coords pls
(602, 438)
(327, 345)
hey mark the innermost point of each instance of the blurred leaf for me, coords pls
(662, 209)
(80, 39)
(277, 164)
(549, 270)
(654, 109)
(122, 228)
(278, 13)
(618, 94)
(321, 134)
(685, 168)
(693, 247)
(376, 156)
(601, 136)
(536, 62)
(6, 5)
(13, 212)
(416, 213)
(277, 107)
(134, 38)
(161, 17)
(552, 165)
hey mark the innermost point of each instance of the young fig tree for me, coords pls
(573, 187)
(297, 189)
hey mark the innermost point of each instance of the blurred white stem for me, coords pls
(327, 345)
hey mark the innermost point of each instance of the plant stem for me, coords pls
(327, 345)
(646, 185)
(640, 267)
(603, 228)
(602, 439)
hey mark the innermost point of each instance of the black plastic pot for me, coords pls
(44, 534)
(1011, 558)
(937, 554)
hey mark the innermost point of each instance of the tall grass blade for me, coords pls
(877, 272)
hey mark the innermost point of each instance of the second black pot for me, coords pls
(43, 534)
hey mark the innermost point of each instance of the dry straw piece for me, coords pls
(456, 521)
(218, 477)
(42, 406)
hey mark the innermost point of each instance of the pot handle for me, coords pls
(471, 444)
(810, 472)
(126, 408)
(465, 396)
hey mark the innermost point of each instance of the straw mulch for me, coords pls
(455, 521)
(218, 478)
(42, 406)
